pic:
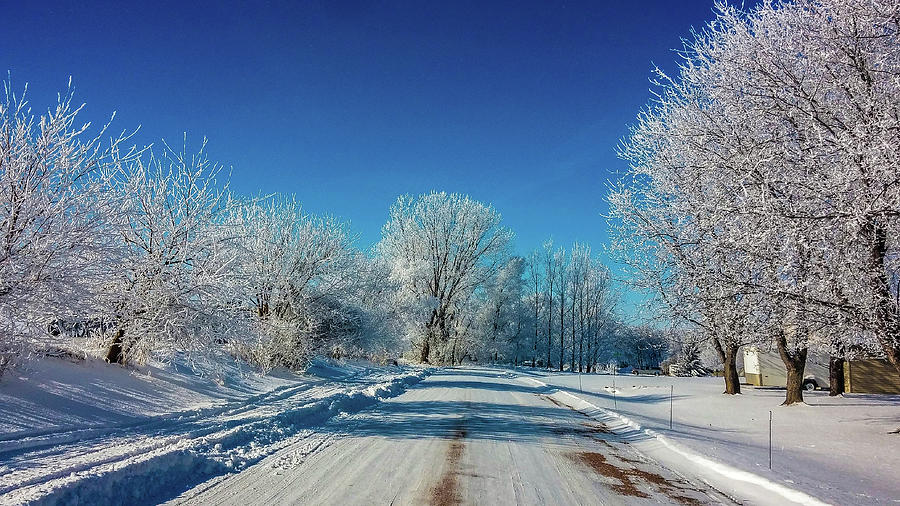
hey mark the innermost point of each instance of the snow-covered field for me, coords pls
(94, 433)
(838, 450)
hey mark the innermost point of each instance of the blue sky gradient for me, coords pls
(347, 105)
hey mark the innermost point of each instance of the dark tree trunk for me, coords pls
(534, 344)
(426, 348)
(728, 356)
(794, 393)
(115, 354)
(562, 350)
(732, 380)
(794, 363)
(886, 310)
(572, 331)
(453, 351)
(549, 322)
(562, 334)
(590, 360)
(835, 376)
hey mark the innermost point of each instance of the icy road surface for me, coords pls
(461, 436)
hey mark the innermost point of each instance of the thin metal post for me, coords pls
(770, 440)
(671, 404)
(615, 402)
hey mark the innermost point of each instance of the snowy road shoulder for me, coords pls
(153, 461)
(740, 485)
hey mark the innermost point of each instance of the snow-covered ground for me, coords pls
(462, 436)
(90, 432)
(838, 450)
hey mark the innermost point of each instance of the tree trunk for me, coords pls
(728, 356)
(590, 357)
(794, 393)
(453, 351)
(562, 330)
(534, 344)
(732, 380)
(835, 376)
(426, 348)
(572, 330)
(886, 310)
(116, 354)
(549, 320)
(794, 363)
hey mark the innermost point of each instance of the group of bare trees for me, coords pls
(571, 307)
(466, 297)
(762, 201)
(144, 254)
(441, 248)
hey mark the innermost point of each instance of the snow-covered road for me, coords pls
(461, 436)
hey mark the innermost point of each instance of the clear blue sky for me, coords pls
(348, 105)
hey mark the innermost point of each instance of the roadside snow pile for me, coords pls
(53, 394)
(837, 450)
(114, 458)
(331, 369)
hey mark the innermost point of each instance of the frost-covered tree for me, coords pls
(671, 250)
(441, 247)
(763, 191)
(592, 304)
(551, 260)
(535, 301)
(816, 85)
(56, 247)
(561, 262)
(297, 275)
(499, 320)
(589, 310)
(172, 291)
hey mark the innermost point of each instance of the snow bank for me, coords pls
(837, 449)
(738, 484)
(154, 458)
(52, 394)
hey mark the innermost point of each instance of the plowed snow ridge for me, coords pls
(157, 458)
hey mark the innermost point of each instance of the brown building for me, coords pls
(871, 376)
